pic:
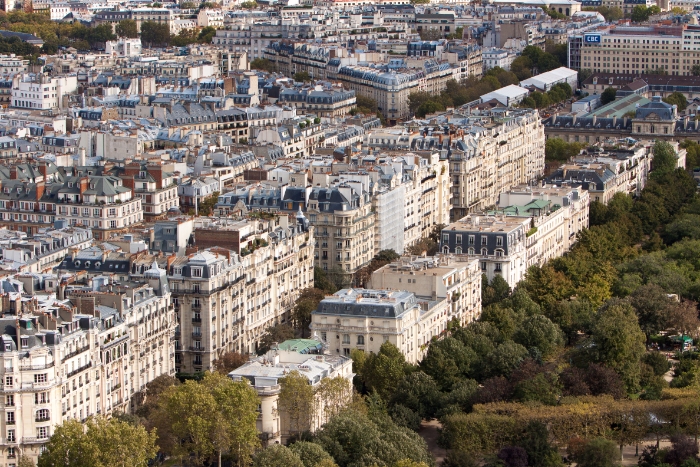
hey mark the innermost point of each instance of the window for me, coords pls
(360, 340)
(483, 266)
(10, 418)
(42, 415)
(346, 338)
(8, 381)
(499, 241)
(40, 378)
(11, 435)
(11, 453)
(483, 240)
(484, 252)
(42, 432)
(458, 239)
(196, 272)
(471, 239)
(9, 400)
(24, 342)
(445, 238)
(458, 251)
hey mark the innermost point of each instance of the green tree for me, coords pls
(640, 13)
(277, 455)
(420, 393)
(302, 77)
(608, 95)
(202, 420)
(155, 34)
(383, 371)
(249, 5)
(619, 341)
(262, 64)
(306, 303)
(206, 34)
(25, 461)
(296, 399)
(127, 28)
(536, 442)
(100, 443)
(335, 393)
(229, 361)
(311, 454)
(540, 333)
(677, 99)
(147, 400)
(665, 159)
(695, 70)
(651, 303)
(556, 149)
(506, 357)
(598, 452)
(278, 333)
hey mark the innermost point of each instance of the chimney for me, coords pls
(13, 172)
(84, 185)
(43, 169)
(40, 188)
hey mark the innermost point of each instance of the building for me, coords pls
(244, 280)
(264, 375)
(366, 318)
(452, 278)
(154, 186)
(545, 81)
(639, 49)
(39, 91)
(510, 96)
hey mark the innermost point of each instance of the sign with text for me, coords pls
(591, 38)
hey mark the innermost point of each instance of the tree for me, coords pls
(540, 333)
(335, 394)
(147, 400)
(127, 28)
(535, 440)
(505, 358)
(262, 64)
(695, 70)
(356, 438)
(155, 34)
(25, 461)
(677, 99)
(683, 318)
(249, 5)
(229, 361)
(201, 420)
(383, 371)
(206, 35)
(665, 159)
(618, 341)
(306, 303)
(608, 95)
(296, 398)
(302, 77)
(598, 452)
(103, 443)
(418, 392)
(651, 303)
(277, 456)
(311, 454)
(513, 456)
(556, 149)
(278, 333)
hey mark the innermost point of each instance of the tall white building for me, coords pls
(39, 91)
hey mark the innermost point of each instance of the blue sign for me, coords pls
(591, 38)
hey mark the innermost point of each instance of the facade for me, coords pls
(366, 318)
(39, 91)
(226, 298)
(83, 355)
(452, 278)
(264, 373)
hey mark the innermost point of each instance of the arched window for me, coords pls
(458, 250)
(446, 249)
(484, 252)
(360, 340)
(471, 251)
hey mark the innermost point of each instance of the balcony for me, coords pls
(42, 419)
(29, 366)
(197, 335)
(196, 320)
(196, 349)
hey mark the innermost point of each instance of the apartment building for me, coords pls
(366, 318)
(155, 187)
(557, 213)
(265, 373)
(226, 298)
(636, 49)
(39, 91)
(605, 174)
(391, 86)
(74, 357)
(328, 103)
(499, 243)
(455, 279)
(504, 153)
